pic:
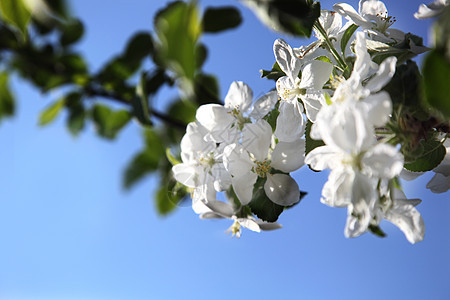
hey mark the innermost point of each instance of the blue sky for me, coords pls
(69, 231)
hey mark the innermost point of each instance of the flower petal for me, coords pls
(286, 59)
(315, 74)
(288, 157)
(383, 75)
(290, 122)
(256, 139)
(282, 189)
(214, 117)
(243, 186)
(383, 161)
(406, 217)
(239, 96)
(264, 105)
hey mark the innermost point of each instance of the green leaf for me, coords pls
(142, 164)
(295, 17)
(346, 37)
(168, 196)
(178, 28)
(206, 89)
(71, 32)
(432, 155)
(108, 123)
(272, 116)
(15, 13)
(376, 230)
(77, 114)
(273, 74)
(172, 159)
(220, 19)
(261, 205)
(139, 47)
(51, 112)
(140, 103)
(7, 105)
(310, 143)
(8, 40)
(436, 72)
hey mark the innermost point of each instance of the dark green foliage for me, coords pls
(376, 230)
(431, 154)
(436, 71)
(347, 35)
(295, 17)
(220, 19)
(7, 105)
(273, 74)
(71, 32)
(77, 113)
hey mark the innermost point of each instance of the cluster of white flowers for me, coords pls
(236, 158)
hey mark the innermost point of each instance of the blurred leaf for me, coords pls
(51, 112)
(140, 102)
(347, 35)
(108, 123)
(142, 164)
(295, 17)
(169, 195)
(139, 47)
(178, 28)
(58, 7)
(206, 89)
(220, 19)
(431, 156)
(7, 105)
(273, 74)
(261, 205)
(15, 13)
(436, 72)
(71, 32)
(202, 54)
(77, 113)
(8, 39)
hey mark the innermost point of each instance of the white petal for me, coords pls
(324, 157)
(337, 191)
(313, 102)
(431, 10)
(221, 208)
(264, 105)
(236, 160)
(315, 74)
(290, 122)
(256, 139)
(286, 59)
(266, 226)
(350, 13)
(439, 183)
(383, 161)
(249, 224)
(214, 116)
(282, 189)
(243, 187)
(406, 217)
(187, 174)
(372, 9)
(288, 157)
(383, 75)
(377, 107)
(239, 96)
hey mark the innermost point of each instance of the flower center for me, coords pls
(262, 168)
(384, 21)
